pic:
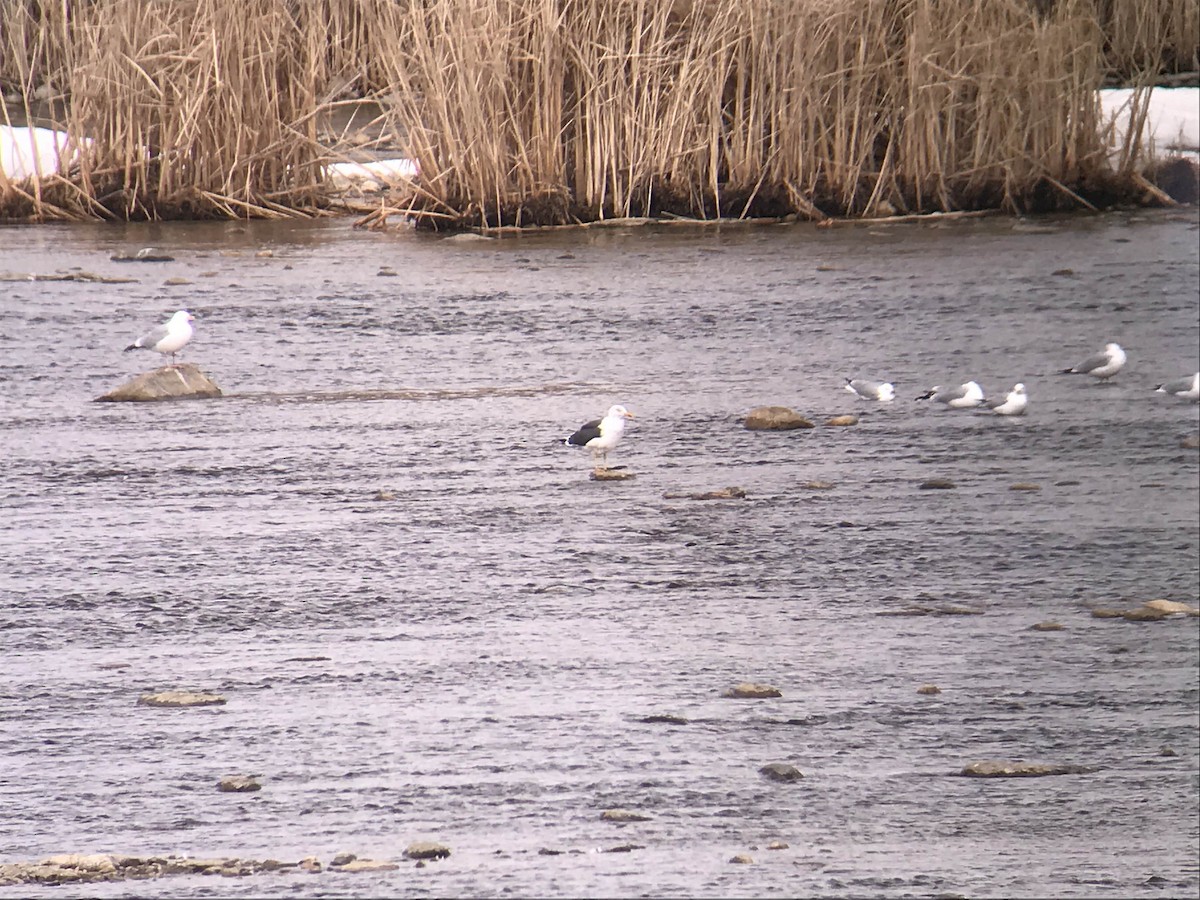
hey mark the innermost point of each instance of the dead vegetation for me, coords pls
(528, 112)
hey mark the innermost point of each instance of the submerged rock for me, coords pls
(921, 609)
(426, 850)
(664, 719)
(183, 381)
(843, 420)
(238, 784)
(781, 772)
(1005, 768)
(775, 418)
(146, 254)
(68, 868)
(1046, 626)
(623, 815)
(1144, 614)
(363, 865)
(1170, 607)
(87, 862)
(750, 691)
(600, 473)
(727, 493)
(1150, 611)
(180, 698)
(936, 484)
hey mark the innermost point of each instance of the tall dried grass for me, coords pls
(189, 108)
(1144, 40)
(619, 108)
(551, 111)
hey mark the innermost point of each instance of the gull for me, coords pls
(1013, 403)
(168, 338)
(602, 435)
(871, 390)
(1103, 365)
(964, 396)
(1187, 387)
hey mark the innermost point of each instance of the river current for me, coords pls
(430, 624)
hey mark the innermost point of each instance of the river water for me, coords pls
(429, 623)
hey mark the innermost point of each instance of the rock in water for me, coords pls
(238, 784)
(178, 382)
(1006, 768)
(623, 815)
(750, 691)
(426, 850)
(775, 418)
(181, 698)
(780, 772)
(602, 473)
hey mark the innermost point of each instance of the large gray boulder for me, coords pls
(178, 382)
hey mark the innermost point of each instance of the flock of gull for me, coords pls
(603, 434)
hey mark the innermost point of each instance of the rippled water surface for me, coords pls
(472, 658)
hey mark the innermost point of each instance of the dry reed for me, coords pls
(525, 112)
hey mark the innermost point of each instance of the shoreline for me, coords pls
(364, 181)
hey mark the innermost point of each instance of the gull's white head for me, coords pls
(887, 391)
(617, 411)
(1019, 389)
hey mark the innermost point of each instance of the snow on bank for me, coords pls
(1172, 128)
(32, 152)
(1172, 121)
(361, 174)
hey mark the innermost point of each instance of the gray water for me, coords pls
(472, 660)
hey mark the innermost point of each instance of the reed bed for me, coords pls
(1144, 41)
(530, 112)
(624, 108)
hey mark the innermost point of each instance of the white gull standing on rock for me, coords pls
(1187, 387)
(1013, 403)
(169, 338)
(602, 435)
(1103, 365)
(964, 396)
(882, 391)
